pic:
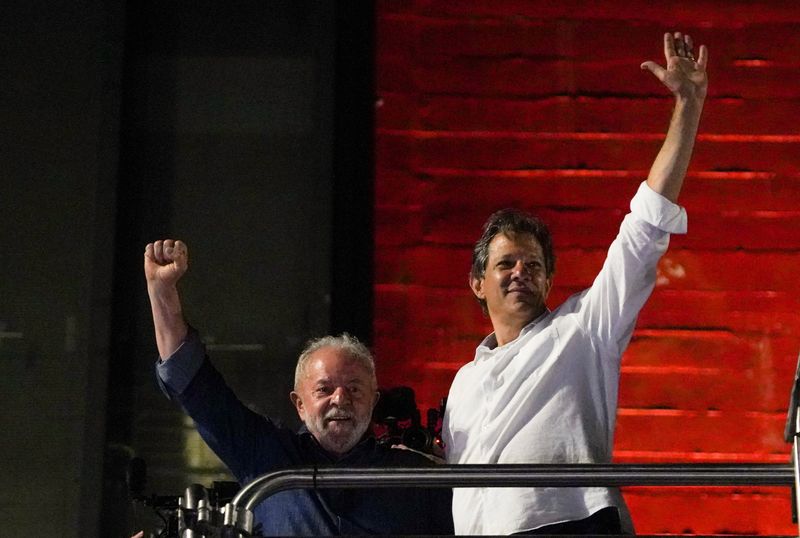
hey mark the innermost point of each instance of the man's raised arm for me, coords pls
(165, 262)
(686, 78)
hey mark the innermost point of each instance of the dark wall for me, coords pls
(127, 122)
(59, 139)
(227, 145)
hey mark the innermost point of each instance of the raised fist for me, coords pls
(165, 262)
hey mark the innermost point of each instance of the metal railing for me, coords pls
(239, 516)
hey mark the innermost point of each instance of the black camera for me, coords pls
(397, 421)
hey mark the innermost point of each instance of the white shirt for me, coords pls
(550, 396)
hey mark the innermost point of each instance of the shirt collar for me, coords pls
(489, 344)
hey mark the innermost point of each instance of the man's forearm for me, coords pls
(669, 168)
(170, 327)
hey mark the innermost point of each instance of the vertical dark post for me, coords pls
(353, 165)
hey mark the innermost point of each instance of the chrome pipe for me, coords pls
(513, 475)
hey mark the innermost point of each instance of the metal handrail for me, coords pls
(508, 475)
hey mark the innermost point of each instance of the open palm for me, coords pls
(683, 76)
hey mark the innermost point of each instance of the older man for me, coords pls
(543, 386)
(335, 392)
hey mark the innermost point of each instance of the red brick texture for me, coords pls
(541, 105)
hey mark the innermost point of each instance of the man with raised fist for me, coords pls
(335, 391)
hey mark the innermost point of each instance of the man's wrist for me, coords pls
(162, 292)
(692, 103)
(156, 284)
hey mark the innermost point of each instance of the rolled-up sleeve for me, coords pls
(658, 211)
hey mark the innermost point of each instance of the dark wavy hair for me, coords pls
(511, 222)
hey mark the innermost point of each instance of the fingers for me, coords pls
(689, 43)
(654, 68)
(680, 46)
(683, 75)
(166, 251)
(160, 252)
(702, 60)
(669, 46)
(155, 252)
(687, 50)
(180, 254)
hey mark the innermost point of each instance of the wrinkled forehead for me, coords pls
(336, 364)
(511, 243)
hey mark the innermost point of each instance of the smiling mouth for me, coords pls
(519, 290)
(338, 418)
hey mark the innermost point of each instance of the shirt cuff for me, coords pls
(656, 210)
(175, 373)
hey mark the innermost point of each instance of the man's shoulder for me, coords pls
(570, 305)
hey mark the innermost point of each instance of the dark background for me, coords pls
(244, 129)
(247, 130)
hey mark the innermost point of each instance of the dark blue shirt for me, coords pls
(251, 445)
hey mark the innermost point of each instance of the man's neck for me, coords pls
(508, 330)
(505, 334)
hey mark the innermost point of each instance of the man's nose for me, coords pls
(340, 395)
(520, 270)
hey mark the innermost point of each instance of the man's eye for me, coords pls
(323, 390)
(505, 264)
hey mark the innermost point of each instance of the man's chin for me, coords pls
(524, 304)
(339, 428)
(341, 439)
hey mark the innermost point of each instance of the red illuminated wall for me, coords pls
(541, 105)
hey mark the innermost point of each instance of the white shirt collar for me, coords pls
(489, 344)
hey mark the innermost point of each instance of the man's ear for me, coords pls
(298, 405)
(549, 284)
(477, 287)
(375, 401)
